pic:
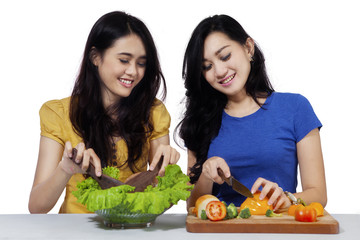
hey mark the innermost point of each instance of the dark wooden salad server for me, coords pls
(104, 181)
(140, 181)
(144, 179)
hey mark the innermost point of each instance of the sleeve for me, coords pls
(305, 119)
(52, 120)
(161, 120)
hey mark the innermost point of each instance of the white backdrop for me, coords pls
(311, 47)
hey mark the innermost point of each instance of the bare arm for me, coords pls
(54, 169)
(312, 175)
(50, 179)
(312, 170)
(208, 176)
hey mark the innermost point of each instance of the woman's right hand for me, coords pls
(83, 156)
(211, 166)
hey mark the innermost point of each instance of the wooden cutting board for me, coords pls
(262, 224)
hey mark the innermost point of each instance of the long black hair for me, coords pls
(132, 114)
(204, 105)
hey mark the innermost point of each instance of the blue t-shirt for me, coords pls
(263, 144)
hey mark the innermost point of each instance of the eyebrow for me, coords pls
(218, 51)
(130, 55)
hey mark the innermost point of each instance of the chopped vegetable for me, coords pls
(171, 188)
(305, 214)
(203, 215)
(231, 211)
(201, 203)
(293, 211)
(245, 213)
(215, 210)
(270, 213)
(318, 207)
(255, 205)
(292, 208)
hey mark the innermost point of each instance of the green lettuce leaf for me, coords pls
(111, 172)
(171, 188)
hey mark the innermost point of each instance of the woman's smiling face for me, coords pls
(226, 63)
(121, 68)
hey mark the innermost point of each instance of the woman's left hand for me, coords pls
(170, 154)
(276, 195)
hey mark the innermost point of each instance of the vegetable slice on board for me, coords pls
(318, 207)
(216, 210)
(305, 214)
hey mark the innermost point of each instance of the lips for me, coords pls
(126, 82)
(226, 81)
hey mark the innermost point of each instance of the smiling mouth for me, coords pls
(126, 81)
(227, 80)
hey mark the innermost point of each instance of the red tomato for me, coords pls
(305, 214)
(215, 210)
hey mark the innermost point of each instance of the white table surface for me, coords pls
(166, 226)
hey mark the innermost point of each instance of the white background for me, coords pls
(311, 47)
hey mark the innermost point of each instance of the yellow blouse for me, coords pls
(55, 124)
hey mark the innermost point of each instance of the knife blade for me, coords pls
(235, 184)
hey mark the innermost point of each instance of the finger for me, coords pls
(211, 169)
(214, 175)
(80, 152)
(68, 149)
(215, 178)
(174, 158)
(166, 159)
(85, 160)
(95, 160)
(156, 158)
(268, 189)
(279, 203)
(225, 169)
(255, 187)
(275, 195)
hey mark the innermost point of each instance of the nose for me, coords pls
(220, 70)
(131, 69)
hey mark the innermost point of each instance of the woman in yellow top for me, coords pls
(113, 117)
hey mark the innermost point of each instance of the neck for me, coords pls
(242, 105)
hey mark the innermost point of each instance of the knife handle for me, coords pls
(104, 181)
(90, 170)
(222, 175)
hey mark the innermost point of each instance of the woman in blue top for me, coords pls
(235, 121)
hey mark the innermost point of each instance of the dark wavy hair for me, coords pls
(132, 114)
(204, 105)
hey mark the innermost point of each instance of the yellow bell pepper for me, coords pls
(256, 206)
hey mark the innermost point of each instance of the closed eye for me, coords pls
(142, 64)
(227, 57)
(206, 67)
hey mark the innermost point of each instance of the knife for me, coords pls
(235, 184)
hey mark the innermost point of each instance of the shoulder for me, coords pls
(287, 96)
(158, 107)
(59, 107)
(289, 99)
(160, 118)
(55, 121)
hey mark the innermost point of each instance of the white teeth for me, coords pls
(229, 79)
(125, 81)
